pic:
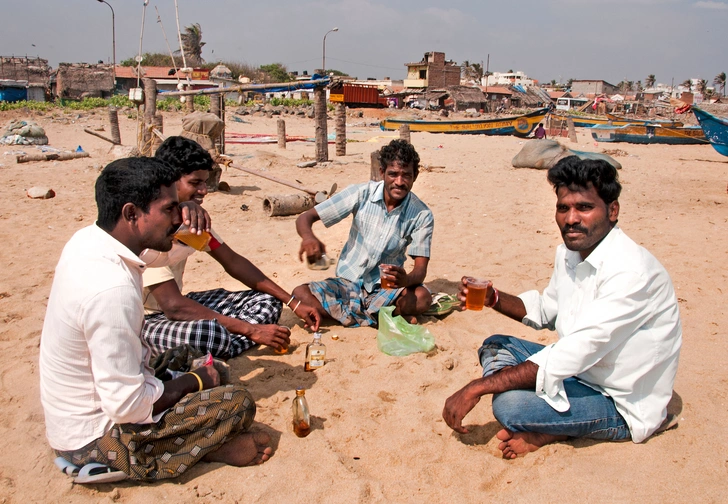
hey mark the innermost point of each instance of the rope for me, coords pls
(141, 37)
(171, 54)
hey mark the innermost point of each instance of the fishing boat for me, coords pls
(612, 120)
(520, 125)
(652, 133)
(715, 129)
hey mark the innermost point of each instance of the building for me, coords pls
(592, 88)
(507, 79)
(77, 81)
(24, 78)
(165, 77)
(434, 71)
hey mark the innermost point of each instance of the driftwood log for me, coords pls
(51, 156)
(287, 204)
(102, 137)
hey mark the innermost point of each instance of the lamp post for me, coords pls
(323, 62)
(113, 37)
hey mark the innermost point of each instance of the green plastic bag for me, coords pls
(397, 337)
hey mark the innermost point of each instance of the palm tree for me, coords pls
(650, 81)
(688, 84)
(192, 44)
(702, 86)
(720, 82)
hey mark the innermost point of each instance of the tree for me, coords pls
(569, 82)
(275, 72)
(720, 82)
(688, 84)
(625, 86)
(650, 81)
(638, 84)
(553, 82)
(471, 71)
(192, 44)
(702, 86)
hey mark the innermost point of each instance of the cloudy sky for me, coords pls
(548, 39)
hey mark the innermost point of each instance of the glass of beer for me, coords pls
(383, 270)
(475, 298)
(197, 242)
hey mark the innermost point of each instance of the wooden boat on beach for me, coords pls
(611, 120)
(520, 125)
(652, 133)
(715, 129)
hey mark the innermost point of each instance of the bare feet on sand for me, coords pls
(519, 443)
(250, 448)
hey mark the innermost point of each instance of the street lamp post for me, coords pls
(323, 62)
(113, 37)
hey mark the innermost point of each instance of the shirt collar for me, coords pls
(596, 258)
(119, 248)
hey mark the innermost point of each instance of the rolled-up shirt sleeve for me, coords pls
(340, 206)
(597, 329)
(422, 235)
(126, 388)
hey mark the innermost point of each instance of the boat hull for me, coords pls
(516, 125)
(649, 134)
(715, 129)
(590, 122)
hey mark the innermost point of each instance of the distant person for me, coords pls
(101, 400)
(217, 321)
(540, 132)
(610, 374)
(389, 220)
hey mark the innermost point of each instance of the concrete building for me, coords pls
(592, 88)
(507, 79)
(434, 71)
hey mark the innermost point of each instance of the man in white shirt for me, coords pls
(101, 400)
(611, 373)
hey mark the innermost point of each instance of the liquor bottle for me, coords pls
(315, 353)
(323, 263)
(301, 416)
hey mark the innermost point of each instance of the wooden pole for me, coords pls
(102, 137)
(572, 131)
(287, 204)
(158, 122)
(312, 192)
(215, 104)
(340, 129)
(404, 133)
(281, 133)
(51, 156)
(221, 138)
(190, 103)
(322, 141)
(150, 110)
(114, 122)
(376, 165)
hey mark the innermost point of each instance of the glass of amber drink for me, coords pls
(475, 298)
(384, 270)
(197, 242)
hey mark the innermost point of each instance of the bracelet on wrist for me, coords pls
(290, 300)
(297, 305)
(199, 380)
(496, 297)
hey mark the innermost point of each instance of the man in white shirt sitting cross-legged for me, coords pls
(610, 375)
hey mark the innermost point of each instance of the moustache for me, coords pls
(577, 228)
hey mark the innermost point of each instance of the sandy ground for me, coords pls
(377, 433)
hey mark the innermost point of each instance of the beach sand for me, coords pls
(378, 435)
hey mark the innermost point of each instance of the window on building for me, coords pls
(423, 74)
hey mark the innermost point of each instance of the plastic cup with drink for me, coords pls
(475, 298)
(384, 269)
(196, 241)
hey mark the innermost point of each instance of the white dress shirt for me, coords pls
(94, 368)
(619, 330)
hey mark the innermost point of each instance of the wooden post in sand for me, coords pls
(221, 138)
(114, 122)
(215, 104)
(572, 131)
(281, 133)
(158, 122)
(376, 165)
(190, 102)
(341, 129)
(150, 110)
(404, 133)
(322, 134)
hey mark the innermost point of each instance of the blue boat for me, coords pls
(651, 133)
(715, 129)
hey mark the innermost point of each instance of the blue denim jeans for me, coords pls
(591, 415)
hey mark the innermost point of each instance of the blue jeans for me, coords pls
(591, 415)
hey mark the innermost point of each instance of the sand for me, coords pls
(378, 435)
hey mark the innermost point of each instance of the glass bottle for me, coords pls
(301, 416)
(315, 353)
(197, 242)
(323, 263)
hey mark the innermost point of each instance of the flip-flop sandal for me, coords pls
(442, 304)
(99, 473)
(66, 467)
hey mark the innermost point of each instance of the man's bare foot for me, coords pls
(519, 443)
(250, 448)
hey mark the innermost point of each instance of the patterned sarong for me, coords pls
(209, 335)
(199, 423)
(349, 303)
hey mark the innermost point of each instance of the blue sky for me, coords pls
(557, 39)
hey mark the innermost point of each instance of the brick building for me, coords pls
(434, 71)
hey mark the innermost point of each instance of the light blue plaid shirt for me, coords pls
(377, 236)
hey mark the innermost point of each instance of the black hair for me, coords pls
(400, 151)
(573, 171)
(130, 180)
(184, 155)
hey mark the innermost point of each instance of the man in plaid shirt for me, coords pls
(389, 220)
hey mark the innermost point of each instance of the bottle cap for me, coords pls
(300, 391)
(317, 335)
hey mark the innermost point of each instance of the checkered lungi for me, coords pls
(209, 335)
(349, 303)
(198, 424)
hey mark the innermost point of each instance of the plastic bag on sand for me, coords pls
(397, 337)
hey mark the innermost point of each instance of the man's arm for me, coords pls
(399, 277)
(178, 307)
(310, 245)
(522, 376)
(246, 272)
(176, 389)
